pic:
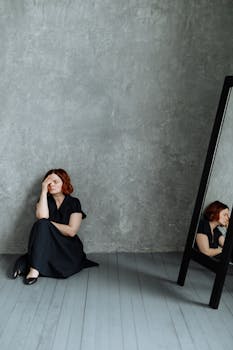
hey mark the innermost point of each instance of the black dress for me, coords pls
(204, 228)
(49, 251)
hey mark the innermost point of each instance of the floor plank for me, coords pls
(130, 302)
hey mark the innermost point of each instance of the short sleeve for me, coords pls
(201, 227)
(76, 207)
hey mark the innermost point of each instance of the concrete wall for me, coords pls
(123, 95)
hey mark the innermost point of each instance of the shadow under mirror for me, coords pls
(210, 237)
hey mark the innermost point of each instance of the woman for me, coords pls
(54, 249)
(209, 239)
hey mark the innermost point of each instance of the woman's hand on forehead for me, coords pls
(53, 177)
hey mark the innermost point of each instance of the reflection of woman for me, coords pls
(54, 249)
(209, 238)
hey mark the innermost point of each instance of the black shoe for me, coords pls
(16, 271)
(20, 267)
(30, 280)
(15, 274)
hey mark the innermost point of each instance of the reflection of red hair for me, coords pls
(211, 213)
(67, 187)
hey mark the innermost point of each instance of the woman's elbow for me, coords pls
(73, 229)
(206, 252)
(72, 233)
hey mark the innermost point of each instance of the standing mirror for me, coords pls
(216, 184)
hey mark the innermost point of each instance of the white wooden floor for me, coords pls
(130, 302)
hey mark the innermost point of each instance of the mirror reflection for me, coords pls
(213, 223)
(209, 238)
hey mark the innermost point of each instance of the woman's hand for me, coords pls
(46, 183)
(42, 210)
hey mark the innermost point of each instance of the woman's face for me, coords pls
(55, 185)
(223, 217)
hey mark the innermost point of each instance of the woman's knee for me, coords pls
(42, 223)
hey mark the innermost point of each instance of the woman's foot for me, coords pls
(32, 276)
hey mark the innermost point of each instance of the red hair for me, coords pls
(67, 187)
(211, 212)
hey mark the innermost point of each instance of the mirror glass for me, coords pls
(220, 185)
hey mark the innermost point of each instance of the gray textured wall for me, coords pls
(123, 95)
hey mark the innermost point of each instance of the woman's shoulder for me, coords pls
(75, 205)
(203, 226)
(72, 198)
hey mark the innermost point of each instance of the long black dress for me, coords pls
(49, 251)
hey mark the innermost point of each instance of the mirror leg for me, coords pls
(184, 268)
(217, 289)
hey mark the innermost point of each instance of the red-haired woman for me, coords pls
(209, 238)
(54, 249)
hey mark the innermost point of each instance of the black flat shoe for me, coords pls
(20, 267)
(15, 273)
(30, 280)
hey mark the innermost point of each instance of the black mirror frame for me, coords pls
(218, 266)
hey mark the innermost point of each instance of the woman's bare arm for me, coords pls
(42, 209)
(203, 245)
(72, 228)
(221, 241)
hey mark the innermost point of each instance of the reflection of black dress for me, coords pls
(49, 251)
(204, 228)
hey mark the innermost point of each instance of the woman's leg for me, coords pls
(33, 273)
(39, 243)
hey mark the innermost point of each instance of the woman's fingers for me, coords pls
(46, 183)
(48, 180)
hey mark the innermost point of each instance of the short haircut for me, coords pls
(212, 211)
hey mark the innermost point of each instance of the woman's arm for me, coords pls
(221, 241)
(42, 210)
(203, 245)
(72, 228)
